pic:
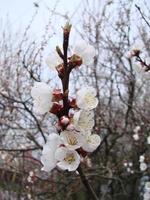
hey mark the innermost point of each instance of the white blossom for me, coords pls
(83, 120)
(147, 185)
(85, 51)
(148, 139)
(91, 142)
(130, 164)
(31, 173)
(137, 129)
(48, 154)
(53, 60)
(42, 97)
(129, 169)
(142, 158)
(146, 195)
(136, 136)
(86, 98)
(72, 139)
(29, 197)
(67, 159)
(143, 166)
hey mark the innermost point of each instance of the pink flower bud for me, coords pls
(64, 120)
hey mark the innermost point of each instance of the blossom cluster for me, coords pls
(136, 133)
(74, 139)
(143, 165)
(129, 166)
(142, 64)
(146, 195)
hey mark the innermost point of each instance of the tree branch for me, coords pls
(87, 184)
(142, 15)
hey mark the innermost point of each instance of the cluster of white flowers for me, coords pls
(74, 140)
(136, 133)
(143, 165)
(128, 166)
(30, 178)
(146, 195)
(82, 52)
(141, 62)
(63, 150)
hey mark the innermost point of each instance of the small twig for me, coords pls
(142, 15)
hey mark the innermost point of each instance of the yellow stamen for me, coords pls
(72, 140)
(69, 158)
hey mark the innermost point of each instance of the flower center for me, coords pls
(88, 98)
(69, 158)
(90, 140)
(72, 140)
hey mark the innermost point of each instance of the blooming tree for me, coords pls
(118, 101)
(74, 139)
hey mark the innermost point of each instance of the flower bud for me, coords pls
(75, 60)
(60, 69)
(72, 103)
(135, 52)
(57, 95)
(64, 120)
(56, 107)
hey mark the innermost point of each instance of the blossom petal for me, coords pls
(68, 159)
(86, 98)
(48, 154)
(42, 95)
(88, 55)
(60, 153)
(91, 142)
(53, 60)
(80, 47)
(85, 51)
(83, 120)
(72, 139)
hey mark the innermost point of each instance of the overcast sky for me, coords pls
(20, 12)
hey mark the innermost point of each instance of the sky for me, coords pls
(20, 12)
(17, 14)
